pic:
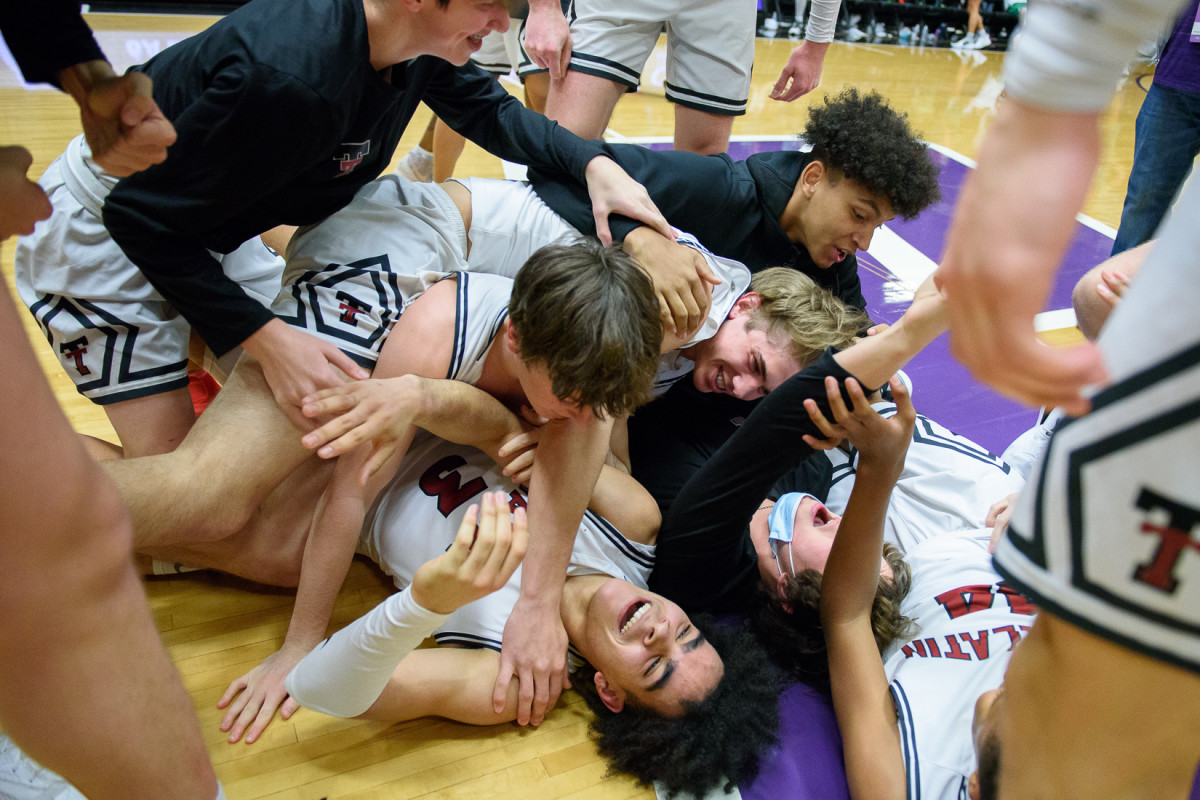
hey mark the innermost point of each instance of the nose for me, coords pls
(862, 239)
(500, 20)
(747, 387)
(657, 631)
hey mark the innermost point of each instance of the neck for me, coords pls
(391, 35)
(789, 219)
(577, 595)
(499, 376)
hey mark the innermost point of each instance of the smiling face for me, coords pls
(454, 31)
(646, 651)
(739, 360)
(832, 215)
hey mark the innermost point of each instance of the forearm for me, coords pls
(852, 573)
(47, 37)
(565, 472)
(460, 413)
(346, 675)
(822, 19)
(78, 79)
(185, 274)
(327, 555)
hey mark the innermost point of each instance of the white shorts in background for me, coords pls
(113, 333)
(500, 53)
(710, 47)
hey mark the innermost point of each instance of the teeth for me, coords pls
(636, 616)
(721, 381)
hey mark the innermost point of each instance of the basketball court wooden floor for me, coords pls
(216, 628)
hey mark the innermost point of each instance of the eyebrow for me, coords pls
(669, 670)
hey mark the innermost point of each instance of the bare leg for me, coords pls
(85, 685)
(270, 547)
(448, 145)
(701, 132)
(153, 424)
(211, 485)
(583, 104)
(1084, 717)
(974, 19)
(537, 89)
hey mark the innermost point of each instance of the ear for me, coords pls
(780, 590)
(412, 6)
(811, 176)
(510, 337)
(612, 697)
(747, 303)
(973, 786)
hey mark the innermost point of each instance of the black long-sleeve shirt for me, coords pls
(732, 207)
(280, 120)
(46, 37)
(705, 560)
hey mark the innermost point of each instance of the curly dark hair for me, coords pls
(717, 741)
(790, 628)
(589, 314)
(868, 141)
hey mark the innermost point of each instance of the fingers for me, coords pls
(526, 696)
(383, 452)
(343, 362)
(904, 406)
(230, 693)
(826, 428)
(777, 91)
(545, 696)
(679, 311)
(500, 690)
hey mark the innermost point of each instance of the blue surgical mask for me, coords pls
(781, 523)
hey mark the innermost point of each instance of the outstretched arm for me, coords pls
(865, 712)
(348, 673)
(803, 68)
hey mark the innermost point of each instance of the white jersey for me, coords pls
(969, 623)
(947, 484)
(417, 516)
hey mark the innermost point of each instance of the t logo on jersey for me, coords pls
(76, 349)
(350, 307)
(351, 156)
(1174, 538)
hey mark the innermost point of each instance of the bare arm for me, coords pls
(861, 700)
(568, 463)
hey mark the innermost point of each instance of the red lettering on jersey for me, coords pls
(934, 650)
(1175, 538)
(955, 650)
(979, 643)
(1013, 636)
(517, 500)
(443, 481)
(966, 600)
(1017, 602)
(914, 648)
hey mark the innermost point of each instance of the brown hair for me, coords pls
(589, 315)
(790, 626)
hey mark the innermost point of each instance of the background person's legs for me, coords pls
(701, 132)
(85, 685)
(582, 103)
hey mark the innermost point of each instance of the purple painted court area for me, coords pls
(943, 390)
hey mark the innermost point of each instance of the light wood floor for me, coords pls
(217, 628)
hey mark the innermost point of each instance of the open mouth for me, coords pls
(719, 380)
(841, 255)
(633, 613)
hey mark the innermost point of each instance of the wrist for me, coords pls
(78, 79)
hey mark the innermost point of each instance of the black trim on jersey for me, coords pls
(460, 324)
(908, 740)
(120, 337)
(145, 391)
(1077, 461)
(616, 72)
(610, 532)
(705, 102)
(470, 640)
